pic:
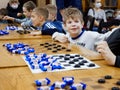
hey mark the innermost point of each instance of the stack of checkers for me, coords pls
(23, 31)
(19, 48)
(3, 32)
(59, 62)
(29, 27)
(11, 27)
(108, 77)
(67, 83)
(54, 47)
(106, 82)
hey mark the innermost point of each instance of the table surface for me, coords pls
(13, 35)
(21, 78)
(15, 75)
(14, 60)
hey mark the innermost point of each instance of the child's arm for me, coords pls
(105, 51)
(15, 19)
(34, 33)
(59, 37)
(8, 18)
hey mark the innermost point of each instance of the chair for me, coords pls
(100, 26)
(109, 13)
(89, 23)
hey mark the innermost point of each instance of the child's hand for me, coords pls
(8, 18)
(34, 33)
(19, 14)
(105, 51)
(59, 37)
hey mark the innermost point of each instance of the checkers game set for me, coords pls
(59, 62)
(49, 63)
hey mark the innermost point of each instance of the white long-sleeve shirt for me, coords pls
(89, 39)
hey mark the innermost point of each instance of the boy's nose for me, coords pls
(73, 23)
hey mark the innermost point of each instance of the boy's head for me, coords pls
(3, 12)
(52, 12)
(39, 16)
(73, 21)
(14, 4)
(28, 7)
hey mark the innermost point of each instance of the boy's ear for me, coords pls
(41, 18)
(31, 10)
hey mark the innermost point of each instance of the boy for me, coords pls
(27, 10)
(14, 9)
(39, 19)
(73, 22)
(52, 17)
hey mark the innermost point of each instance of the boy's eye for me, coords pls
(76, 21)
(69, 22)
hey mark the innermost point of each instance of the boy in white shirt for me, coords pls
(73, 23)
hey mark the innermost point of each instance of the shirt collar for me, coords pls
(78, 35)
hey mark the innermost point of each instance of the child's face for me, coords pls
(74, 26)
(14, 4)
(35, 19)
(26, 12)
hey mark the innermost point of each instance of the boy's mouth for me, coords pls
(73, 28)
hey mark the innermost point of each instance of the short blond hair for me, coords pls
(41, 11)
(72, 13)
(51, 8)
(30, 5)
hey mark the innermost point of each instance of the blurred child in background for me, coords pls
(97, 13)
(40, 19)
(14, 9)
(52, 9)
(27, 10)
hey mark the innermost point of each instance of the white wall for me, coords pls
(3, 3)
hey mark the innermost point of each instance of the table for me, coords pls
(13, 35)
(13, 60)
(20, 78)
(15, 75)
